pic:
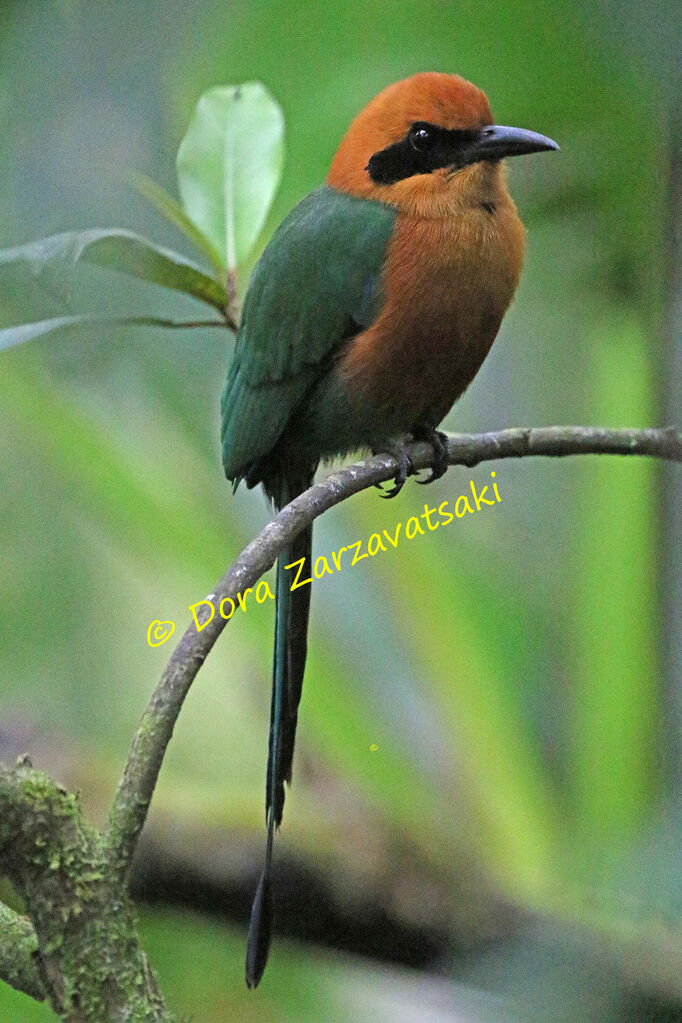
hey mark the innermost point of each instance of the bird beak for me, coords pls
(495, 142)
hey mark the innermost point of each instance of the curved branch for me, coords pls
(136, 787)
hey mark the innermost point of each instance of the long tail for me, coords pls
(291, 629)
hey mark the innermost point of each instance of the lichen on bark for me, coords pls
(87, 957)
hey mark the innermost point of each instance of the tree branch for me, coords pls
(141, 771)
(85, 953)
(18, 949)
(80, 948)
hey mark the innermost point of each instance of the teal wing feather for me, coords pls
(318, 280)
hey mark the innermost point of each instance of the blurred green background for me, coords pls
(513, 848)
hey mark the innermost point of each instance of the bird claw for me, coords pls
(395, 490)
(439, 442)
(399, 452)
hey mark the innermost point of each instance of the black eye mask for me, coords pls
(425, 148)
(428, 147)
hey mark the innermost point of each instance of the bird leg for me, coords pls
(399, 452)
(439, 443)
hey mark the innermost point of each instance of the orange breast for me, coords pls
(447, 281)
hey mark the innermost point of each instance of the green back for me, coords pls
(317, 281)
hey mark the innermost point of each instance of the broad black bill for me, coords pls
(496, 142)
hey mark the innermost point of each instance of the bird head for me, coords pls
(426, 142)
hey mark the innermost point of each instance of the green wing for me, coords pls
(317, 282)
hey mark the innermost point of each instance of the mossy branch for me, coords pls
(80, 948)
(18, 952)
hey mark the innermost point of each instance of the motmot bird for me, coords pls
(368, 314)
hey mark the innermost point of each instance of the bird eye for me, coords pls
(421, 138)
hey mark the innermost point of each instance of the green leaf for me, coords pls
(173, 211)
(11, 336)
(52, 262)
(229, 166)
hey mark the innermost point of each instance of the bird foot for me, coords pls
(439, 443)
(399, 452)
